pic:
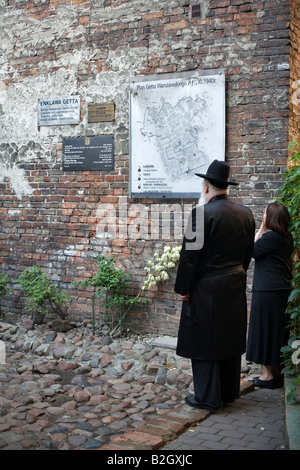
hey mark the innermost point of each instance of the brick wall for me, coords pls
(294, 126)
(92, 49)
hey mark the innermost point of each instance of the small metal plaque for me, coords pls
(101, 112)
(88, 153)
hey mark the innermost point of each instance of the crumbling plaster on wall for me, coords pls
(56, 75)
(22, 125)
(17, 179)
(11, 155)
(70, 57)
(50, 48)
(23, 36)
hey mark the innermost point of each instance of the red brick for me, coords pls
(56, 225)
(165, 434)
(144, 438)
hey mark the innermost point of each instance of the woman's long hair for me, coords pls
(278, 218)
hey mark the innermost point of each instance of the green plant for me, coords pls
(294, 391)
(4, 280)
(290, 197)
(42, 296)
(110, 285)
(156, 273)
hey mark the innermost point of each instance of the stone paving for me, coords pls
(253, 422)
(77, 391)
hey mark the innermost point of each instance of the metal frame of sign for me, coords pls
(159, 167)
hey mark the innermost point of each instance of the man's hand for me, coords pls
(185, 297)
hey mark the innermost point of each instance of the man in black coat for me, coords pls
(211, 281)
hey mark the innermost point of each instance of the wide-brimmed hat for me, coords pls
(218, 174)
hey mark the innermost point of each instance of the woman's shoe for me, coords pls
(265, 383)
(253, 379)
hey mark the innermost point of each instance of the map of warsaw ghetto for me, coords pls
(177, 129)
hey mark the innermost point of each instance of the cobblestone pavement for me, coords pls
(125, 396)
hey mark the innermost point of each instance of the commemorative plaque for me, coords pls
(101, 112)
(88, 153)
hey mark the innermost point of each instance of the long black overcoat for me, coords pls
(213, 322)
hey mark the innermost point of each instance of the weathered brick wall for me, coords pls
(294, 126)
(93, 48)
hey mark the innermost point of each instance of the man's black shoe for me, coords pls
(191, 401)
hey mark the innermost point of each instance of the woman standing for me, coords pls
(268, 330)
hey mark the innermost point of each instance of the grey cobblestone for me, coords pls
(95, 409)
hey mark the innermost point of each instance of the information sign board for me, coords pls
(177, 128)
(88, 153)
(59, 110)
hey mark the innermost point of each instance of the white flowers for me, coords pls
(158, 272)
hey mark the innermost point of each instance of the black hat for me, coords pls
(218, 174)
